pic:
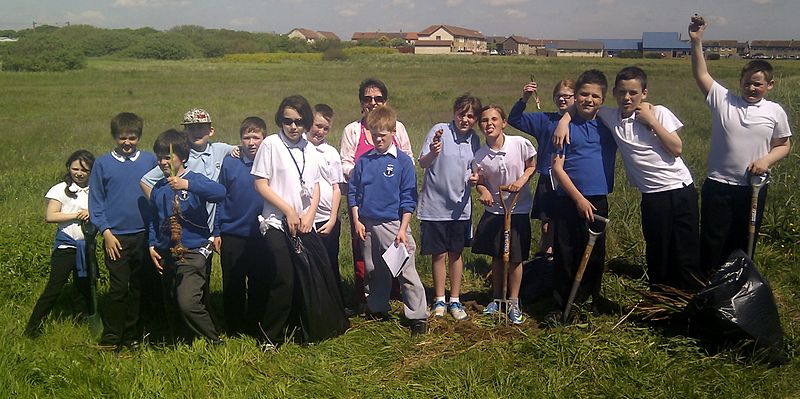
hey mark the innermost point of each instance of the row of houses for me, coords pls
(446, 39)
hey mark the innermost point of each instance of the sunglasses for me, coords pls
(290, 121)
(377, 99)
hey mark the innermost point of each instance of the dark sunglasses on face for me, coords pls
(377, 99)
(290, 121)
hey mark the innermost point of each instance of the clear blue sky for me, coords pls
(570, 19)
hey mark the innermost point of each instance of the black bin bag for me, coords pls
(537, 279)
(737, 305)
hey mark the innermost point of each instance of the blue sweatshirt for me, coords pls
(116, 201)
(383, 186)
(194, 216)
(541, 126)
(238, 213)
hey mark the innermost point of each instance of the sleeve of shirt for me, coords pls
(526, 122)
(335, 165)
(262, 164)
(347, 147)
(408, 189)
(667, 119)
(56, 193)
(403, 141)
(97, 198)
(716, 95)
(782, 128)
(152, 177)
(207, 189)
(528, 149)
(353, 186)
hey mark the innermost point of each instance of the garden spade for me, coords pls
(89, 234)
(507, 209)
(757, 182)
(593, 235)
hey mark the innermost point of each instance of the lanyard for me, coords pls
(299, 171)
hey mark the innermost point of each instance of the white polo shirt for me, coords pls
(649, 166)
(330, 171)
(740, 133)
(503, 167)
(274, 162)
(69, 205)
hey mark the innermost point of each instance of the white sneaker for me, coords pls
(457, 311)
(438, 308)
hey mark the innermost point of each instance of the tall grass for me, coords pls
(47, 116)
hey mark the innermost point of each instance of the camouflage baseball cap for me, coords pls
(196, 115)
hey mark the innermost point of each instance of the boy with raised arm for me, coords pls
(748, 135)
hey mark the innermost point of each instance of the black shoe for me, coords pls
(379, 316)
(419, 327)
(132, 345)
(216, 342)
(358, 310)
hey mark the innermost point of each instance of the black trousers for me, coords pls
(244, 282)
(331, 243)
(671, 224)
(121, 314)
(62, 264)
(183, 288)
(724, 221)
(571, 237)
(278, 320)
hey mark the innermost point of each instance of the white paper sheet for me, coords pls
(395, 257)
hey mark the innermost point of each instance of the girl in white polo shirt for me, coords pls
(67, 205)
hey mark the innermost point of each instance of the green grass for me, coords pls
(48, 115)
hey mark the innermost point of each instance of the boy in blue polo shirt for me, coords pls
(445, 206)
(584, 169)
(179, 242)
(240, 242)
(382, 196)
(120, 211)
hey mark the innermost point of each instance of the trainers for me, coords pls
(457, 311)
(438, 308)
(515, 315)
(491, 308)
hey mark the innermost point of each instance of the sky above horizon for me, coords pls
(623, 19)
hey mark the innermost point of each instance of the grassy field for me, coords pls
(45, 116)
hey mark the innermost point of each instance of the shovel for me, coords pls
(593, 235)
(757, 182)
(89, 234)
(507, 209)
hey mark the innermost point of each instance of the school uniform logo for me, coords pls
(389, 172)
(218, 165)
(183, 195)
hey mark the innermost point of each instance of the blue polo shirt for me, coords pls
(383, 186)
(541, 126)
(238, 213)
(589, 157)
(194, 230)
(445, 191)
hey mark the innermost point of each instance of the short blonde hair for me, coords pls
(381, 119)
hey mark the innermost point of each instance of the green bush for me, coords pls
(363, 50)
(629, 54)
(163, 46)
(334, 54)
(43, 52)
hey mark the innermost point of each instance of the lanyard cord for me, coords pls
(299, 171)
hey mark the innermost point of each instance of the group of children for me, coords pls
(271, 208)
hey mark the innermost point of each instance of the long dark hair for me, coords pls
(86, 159)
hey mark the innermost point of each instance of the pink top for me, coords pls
(354, 143)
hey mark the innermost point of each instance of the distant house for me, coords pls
(574, 48)
(495, 42)
(775, 48)
(433, 47)
(516, 44)
(666, 44)
(725, 48)
(362, 37)
(463, 39)
(310, 36)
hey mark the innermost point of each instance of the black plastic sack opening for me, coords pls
(736, 304)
